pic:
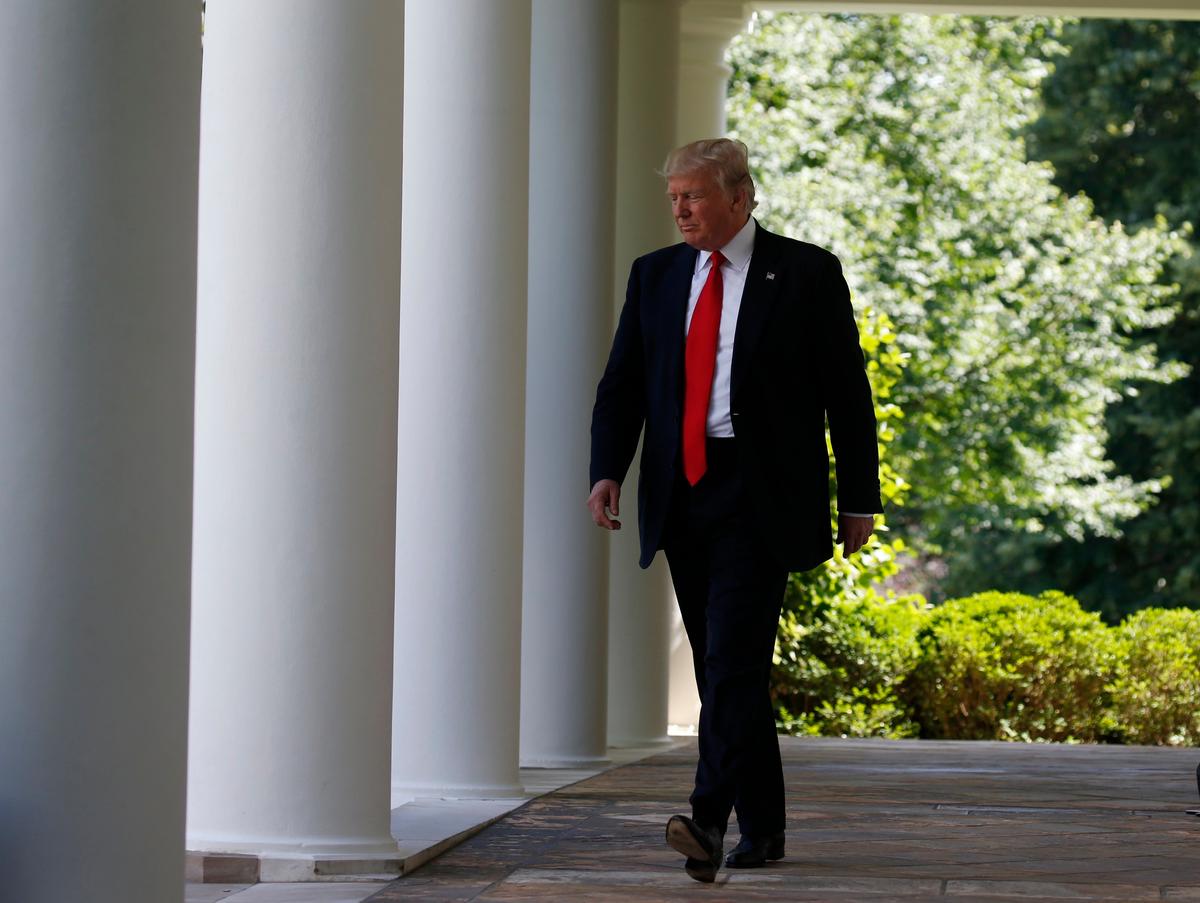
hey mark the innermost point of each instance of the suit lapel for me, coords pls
(677, 285)
(758, 299)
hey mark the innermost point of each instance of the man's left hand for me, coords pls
(854, 530)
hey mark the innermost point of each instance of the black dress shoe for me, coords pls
(753, 852)
(702, 847)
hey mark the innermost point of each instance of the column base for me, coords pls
(249, 868)
(574, 762)
(406, 793)
(223, 860)
(641, 742)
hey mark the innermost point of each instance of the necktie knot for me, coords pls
(715, 260)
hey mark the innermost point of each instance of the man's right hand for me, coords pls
(604, 503)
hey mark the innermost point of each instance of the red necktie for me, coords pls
(700, 358)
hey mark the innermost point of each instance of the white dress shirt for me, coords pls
(733, 275)
(737, 254)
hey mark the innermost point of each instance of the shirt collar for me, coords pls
(737, 252)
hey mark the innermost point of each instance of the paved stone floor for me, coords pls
(867, 820)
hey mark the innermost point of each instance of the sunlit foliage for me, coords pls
(896, 142)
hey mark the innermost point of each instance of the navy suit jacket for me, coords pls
(796, 362)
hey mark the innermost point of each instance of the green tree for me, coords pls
(1121, 118)
(896, 142)
(1121, 122)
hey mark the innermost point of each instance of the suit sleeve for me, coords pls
(620, 408)
(847, 398)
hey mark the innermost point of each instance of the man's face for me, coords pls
(707, 217)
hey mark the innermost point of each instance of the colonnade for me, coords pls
(346, 414)
(294, 391)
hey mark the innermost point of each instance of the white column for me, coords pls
(299, 292)
(639, 602)
(707, 28)
(98, 154)
(572, 168)
(462, 399)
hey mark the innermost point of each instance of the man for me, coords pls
(731, 351)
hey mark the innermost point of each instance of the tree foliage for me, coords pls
(896, 142)
(1121, 123)
(1121, 118)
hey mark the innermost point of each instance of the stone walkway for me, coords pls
(867, 820)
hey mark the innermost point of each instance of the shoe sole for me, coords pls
(702, 871)
(681, 840)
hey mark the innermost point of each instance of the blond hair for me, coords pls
(726, 158)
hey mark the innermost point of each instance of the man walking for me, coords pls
(732, 350)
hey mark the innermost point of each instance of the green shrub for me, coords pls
(1005, 666)
(995, 666)
(1156, 694)
(838, 662)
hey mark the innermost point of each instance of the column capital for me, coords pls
(709, 20)
(706, 28)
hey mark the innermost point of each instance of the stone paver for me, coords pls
(283, 892)
(210, 893)
(868, 820)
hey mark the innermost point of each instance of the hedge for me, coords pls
(1155, 697)
(995, 666)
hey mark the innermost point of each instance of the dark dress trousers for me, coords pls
(762, 508)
